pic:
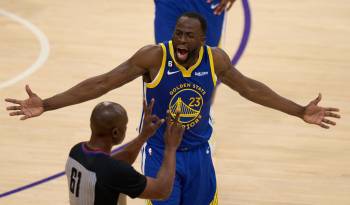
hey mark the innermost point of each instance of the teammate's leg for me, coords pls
(166, 14)
(214, 22)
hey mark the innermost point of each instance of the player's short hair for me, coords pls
(197, 16)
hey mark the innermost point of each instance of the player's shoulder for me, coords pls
(218, 52)
(220, 57)
(153, 49)
(149, 56)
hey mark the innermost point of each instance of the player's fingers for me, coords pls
(330, 122)
(229, 5)
(24, 117)
(13, 100)
(13, 108)
(218, 10)
(318, 99)
(323, 126)
(332, 109)
(331, 114)
(29, 91)
(16, 113)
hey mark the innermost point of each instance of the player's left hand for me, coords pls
(150, 122)
(315, 114)
(222, 6)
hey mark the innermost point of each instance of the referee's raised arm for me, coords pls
(161, 186)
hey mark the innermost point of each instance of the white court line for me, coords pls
(44, 49)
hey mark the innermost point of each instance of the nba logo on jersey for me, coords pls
(170, 63)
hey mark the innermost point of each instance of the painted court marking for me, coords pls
(235, 59)
(44, 49)
(246, 33)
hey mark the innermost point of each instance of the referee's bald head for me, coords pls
(109, 119)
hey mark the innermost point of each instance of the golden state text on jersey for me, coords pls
(189, 90)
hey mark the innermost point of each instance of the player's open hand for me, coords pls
(174, 130)
(31, 107)
(222, 6)
(150, 122)
(315, 114)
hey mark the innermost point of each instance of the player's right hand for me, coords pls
(222, 6)
(174, 130)
(31, 107)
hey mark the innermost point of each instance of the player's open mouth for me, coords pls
(182, 54)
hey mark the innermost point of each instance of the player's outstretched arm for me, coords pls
(161, 187)
(138, 65)
(260, 93)
(150, 125)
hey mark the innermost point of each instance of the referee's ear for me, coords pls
(116, 136)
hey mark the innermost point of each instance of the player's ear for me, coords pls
(203, 39)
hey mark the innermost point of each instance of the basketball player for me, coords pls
(168, 11)
(95, 177)
(181, 73)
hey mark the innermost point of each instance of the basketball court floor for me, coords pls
(262, 157)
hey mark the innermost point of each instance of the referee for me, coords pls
(97, 178)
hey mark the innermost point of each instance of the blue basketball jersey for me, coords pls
(189, 90)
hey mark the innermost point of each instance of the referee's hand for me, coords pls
(174, 130)
(150, 122)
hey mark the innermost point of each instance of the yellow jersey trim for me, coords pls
(212, 67)
(159, 76)
(186, 73)
(215, 199)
